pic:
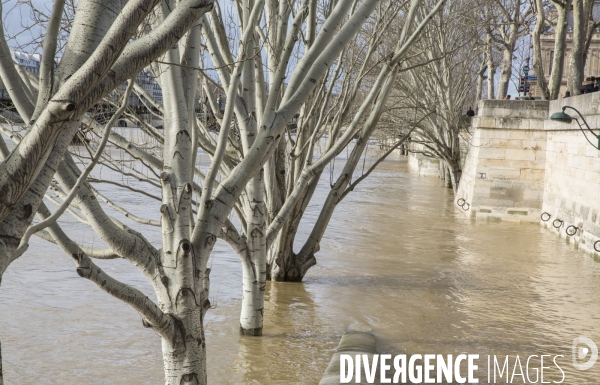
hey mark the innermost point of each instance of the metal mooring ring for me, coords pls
(466, 204)
(573, 233)
(597, 246)
(458, 202)
(547, 218)
(560, 223)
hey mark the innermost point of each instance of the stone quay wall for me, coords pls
(422, 164)
(521, 165)
(429, 166)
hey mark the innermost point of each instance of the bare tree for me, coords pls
(284, 264)
(489, 44)
(99, 56)
(490, 52)
(512, 21)
(559, 25)
(178, 271)
(481, 76)
(540, 27)
(435, 96)
(253, 136)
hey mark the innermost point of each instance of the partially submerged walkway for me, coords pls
(357, 340)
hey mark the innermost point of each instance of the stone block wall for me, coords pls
(572, 188)
(522, 164)
(427, 166)
(503, 177)
(424, 165)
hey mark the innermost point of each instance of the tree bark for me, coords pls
(491, 66)
(537, 49)
(183, 288)
(560, 37)
(581, 14)
(86, 87)
(184, 357)
(3, 257)
(254, 262)
(505, 71)
(283, 264)
(514, 20)
(480, 79)
(454, 174)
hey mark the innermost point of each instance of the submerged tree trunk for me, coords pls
(254, 262)
(305, 259)
(454, 174)
(51, 133)
(184, 357)
(284, 263)
(446, 176)
(183, 288)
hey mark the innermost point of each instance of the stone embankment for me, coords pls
(523, 167)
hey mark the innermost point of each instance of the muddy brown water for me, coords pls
(397, 256)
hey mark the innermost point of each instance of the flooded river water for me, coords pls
(397, 256)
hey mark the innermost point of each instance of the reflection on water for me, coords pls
(397, 256)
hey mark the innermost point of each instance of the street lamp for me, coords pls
(566, 118)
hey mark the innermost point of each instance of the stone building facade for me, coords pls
(592, 65)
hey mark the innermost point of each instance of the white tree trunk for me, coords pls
(505, 71)
(183, 288)
(491, 66)
(514, 19)
(184, 357)
(254, 263)
(178, 271)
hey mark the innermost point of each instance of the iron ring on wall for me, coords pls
(560, 223)
(597, 246)
(547, 218)
(466, 204)
(571, 234)
(458, 202)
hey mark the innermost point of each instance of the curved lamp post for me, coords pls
(566, 118)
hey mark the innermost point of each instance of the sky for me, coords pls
(18, 24)
(17, 20)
